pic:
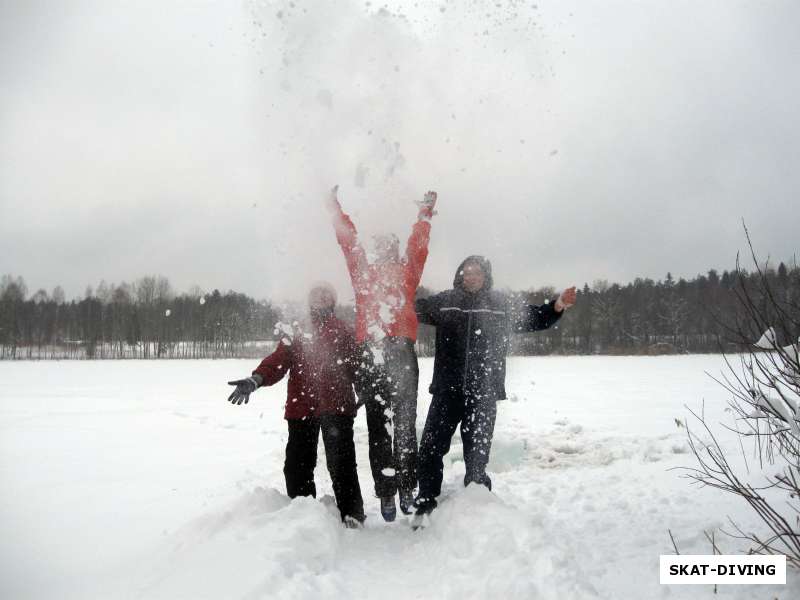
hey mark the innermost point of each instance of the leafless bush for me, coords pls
(763, 379)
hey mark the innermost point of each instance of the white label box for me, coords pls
(724, 569)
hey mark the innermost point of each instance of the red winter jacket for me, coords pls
(384, 292)
(321, 369)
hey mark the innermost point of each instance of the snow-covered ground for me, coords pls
(136, 479)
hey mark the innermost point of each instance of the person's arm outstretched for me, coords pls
(429, 309)
(536, 318)
(417, 247)
(273, 368)
(347, 236)
(270, 371)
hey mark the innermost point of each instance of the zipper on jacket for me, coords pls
(466, 353)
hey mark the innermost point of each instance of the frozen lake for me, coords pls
(136, 479)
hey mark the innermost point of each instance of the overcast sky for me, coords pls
(568, 141)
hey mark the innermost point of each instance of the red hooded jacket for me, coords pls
(321, 369)
(384, 292)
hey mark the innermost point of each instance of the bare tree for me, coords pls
(674, 314)
(12, 297)
(764, 383)
(58, 295)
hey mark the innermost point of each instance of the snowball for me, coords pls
(377, 355)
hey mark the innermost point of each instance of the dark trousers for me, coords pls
(476, 416)
(340, 451)
(389, 394)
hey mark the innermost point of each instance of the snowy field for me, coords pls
(136, 479)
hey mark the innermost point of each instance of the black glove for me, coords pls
(244, 387)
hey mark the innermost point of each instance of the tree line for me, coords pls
(667, 316)
(147, 319)
(144, 319)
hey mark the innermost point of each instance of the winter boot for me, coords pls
(421, 518)
(406, 501)
(424, 506)
(388, 509)
(353, 523)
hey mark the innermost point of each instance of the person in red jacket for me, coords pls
(321, 367)
(386, 328)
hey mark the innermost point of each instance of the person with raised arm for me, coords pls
(474, 324)
(385, 284)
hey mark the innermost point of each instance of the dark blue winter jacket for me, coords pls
(473, 332)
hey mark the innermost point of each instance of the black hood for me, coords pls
(486, 266)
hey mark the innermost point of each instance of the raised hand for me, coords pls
(333, 198)
(428, 200)
(427, 203)
(566, 299)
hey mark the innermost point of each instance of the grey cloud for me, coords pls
(568, 142)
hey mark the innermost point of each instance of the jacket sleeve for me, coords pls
(347, 236)
(275, 366)
(428, 308)
(417, 251)
(535, 318)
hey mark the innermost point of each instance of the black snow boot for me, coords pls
(406, 501)
(424, 506)
(388, 509)
(421, 518)
(353, 523)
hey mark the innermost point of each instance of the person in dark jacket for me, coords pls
(474, 325)
(321, 367)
